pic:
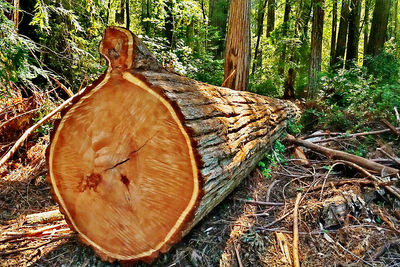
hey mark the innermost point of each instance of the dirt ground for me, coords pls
(344, 220)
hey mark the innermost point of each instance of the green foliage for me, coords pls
(272, 159)
(351, 98)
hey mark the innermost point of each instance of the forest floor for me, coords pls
(344, 218)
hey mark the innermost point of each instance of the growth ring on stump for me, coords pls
(143, 154)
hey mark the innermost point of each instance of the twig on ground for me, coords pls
(382, 249)
(260, 202)
(396, 112)
(389, 156)
(326, 177)
(347, 181)
(296, 232)
(340, 155)
(268, 197)
(5, 253)
(238, 256)
(28, 132)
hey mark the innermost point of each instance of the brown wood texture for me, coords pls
(144, 154)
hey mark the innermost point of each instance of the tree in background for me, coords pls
(378, 27)
(342, 35)
(218, 17)
(237, 48)
(270, 18)
(353, 33)
(333, 32)
(316, 49)
(260, 26)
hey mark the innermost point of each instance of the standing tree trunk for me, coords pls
(342, 35)
(169, 23)
(128, 17)
(285, 29)
(396, 19)
(270, 18)
(316, 49)
(144, 154)
(120, 15)
(237, 48)
(378, 27)
(218, 16)
(334, 32)
(260, 25)
(108, 12)
(366, 23)
(354, 33)
(302, 20)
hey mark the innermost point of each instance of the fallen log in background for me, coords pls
(144, 154)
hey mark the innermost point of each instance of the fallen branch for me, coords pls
(345, 135)
(44, 217)
(396, 112)
(296, 232)
(391, 127)
(28, 132)
(340, 155)
(238, 256)
(268, 197)
(371, 176)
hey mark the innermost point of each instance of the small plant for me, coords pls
(272, 159)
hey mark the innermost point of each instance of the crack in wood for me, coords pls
(130, 155)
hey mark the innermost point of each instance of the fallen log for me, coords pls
(144, 154)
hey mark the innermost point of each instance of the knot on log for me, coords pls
(123, 51)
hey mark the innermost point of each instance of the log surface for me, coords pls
(144, 154)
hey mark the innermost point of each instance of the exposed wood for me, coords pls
(296, 260)
(340, 155)
(152, 152)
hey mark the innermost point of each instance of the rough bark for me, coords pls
(354, 33)
(237, 48)
(152, 152)
(316, 49)
(334, 32)
(378, 27)
(270, 18)
(342, 35)
(396, 19)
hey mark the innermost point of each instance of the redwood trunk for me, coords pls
(144, 154)
(237, 49)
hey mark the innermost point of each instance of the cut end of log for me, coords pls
(144, 154)
(116, 166)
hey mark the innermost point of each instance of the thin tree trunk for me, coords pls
(366, 23)
(342, 35)
(169, 22)
(378, 27)
(108, 11)
(128, 19)
(396, 19)
(218, 16)
(301, 22)
(316, 49)
(354, 33)
(260, 23)
(285, 28)
(237, 49)
(270, 18)
(120, 15)
(334, 31)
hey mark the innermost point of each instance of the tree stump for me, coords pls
(143, 154)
